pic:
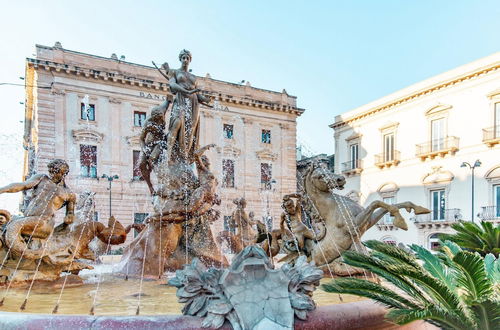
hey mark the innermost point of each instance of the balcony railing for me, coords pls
(491, 136)
(352, 167)
(439, 216)
(387, 159)
(490, 213)
(438, 147)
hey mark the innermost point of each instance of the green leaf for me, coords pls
(487, 315)
(442, 318)
(392, 251)
(472, 277)
(434, 265)
(371, 290)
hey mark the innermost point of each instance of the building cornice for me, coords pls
(484, 70)
(148, 84)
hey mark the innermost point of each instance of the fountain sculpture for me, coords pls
(32, 248)
(179, 228)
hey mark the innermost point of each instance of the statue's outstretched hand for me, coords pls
(69, 218)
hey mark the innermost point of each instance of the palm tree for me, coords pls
(483, 239)
(455, 292)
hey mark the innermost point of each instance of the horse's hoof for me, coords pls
(421, 210)
(400, 222)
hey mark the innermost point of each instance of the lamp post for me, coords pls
(477, 163)
(110, 180)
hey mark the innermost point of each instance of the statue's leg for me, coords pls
(173, 135)
(33, 227)
(145, 168)
(377, 210)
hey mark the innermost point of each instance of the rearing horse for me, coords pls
(345, 220)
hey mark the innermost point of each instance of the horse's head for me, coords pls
(323, 178)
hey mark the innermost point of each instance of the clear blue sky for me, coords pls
(333, 55)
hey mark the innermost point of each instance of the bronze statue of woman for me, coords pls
(183, 129)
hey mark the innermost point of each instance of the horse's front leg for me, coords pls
(375, 211)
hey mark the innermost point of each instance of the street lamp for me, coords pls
(477, 163)
(110, 180)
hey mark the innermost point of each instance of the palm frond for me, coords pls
(439, 317)
(379, 268)
(370, 290)
(487, 314)
(392, 252)
(439, 292)
(492, 266)
(472, 276)
(434, 265)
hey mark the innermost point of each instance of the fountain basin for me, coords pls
(357, 315)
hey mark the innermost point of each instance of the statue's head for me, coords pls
(243, 202)
(251, 214)
(324, 179)
(288, 205)
(58, 169)
(185, 56)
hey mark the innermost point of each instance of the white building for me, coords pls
(410, 145)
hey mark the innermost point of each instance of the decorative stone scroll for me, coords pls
(250, 294)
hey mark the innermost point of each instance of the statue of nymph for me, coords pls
(183, 130)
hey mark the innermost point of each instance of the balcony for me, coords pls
(439, 147)
(491, 136)
(387, 159)
(438, 219)
(386, 224)
(490, 213)
(352, 167)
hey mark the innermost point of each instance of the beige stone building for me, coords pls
(89, 109)
(410, 145)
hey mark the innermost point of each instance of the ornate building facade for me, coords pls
(89, 109)
(412, 145)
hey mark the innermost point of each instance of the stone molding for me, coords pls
(265, 154)
(133, 141)
(85, 135)
(438, 176)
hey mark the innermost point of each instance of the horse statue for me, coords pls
(342, 220)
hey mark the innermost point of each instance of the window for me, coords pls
(496, 194)
(388, 219)
(266, 176)
(139, 118)
(266, 136)
(136, 171)
(268, 220)
(88, 161)
(434, 242)
(354, 154)
(389, 240)
(497, 120)
(228, 131)
(389, 147)
(139, 218)
(227, 223)
(438, 134)
(228, 173)
(438, 204)
(89, 113)
(96, 216)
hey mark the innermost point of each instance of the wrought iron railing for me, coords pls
(387, 157)
(491, 133)
(351, 165)
(490, 212)
(449, 143)
(448, 215)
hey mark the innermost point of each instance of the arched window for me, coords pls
(434, 243)
(389, 240)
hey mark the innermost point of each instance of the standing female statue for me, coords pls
(183, 129)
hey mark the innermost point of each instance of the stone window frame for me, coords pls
(391, 237)
(391, 192)
(493, 178)
(98, 151)
(439, 111)
(234, 173)
(92, 100)
(494, 98)
(390, 128)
